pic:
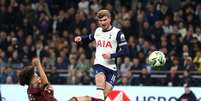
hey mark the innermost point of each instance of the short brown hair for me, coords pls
(103, 13)
(26, 75)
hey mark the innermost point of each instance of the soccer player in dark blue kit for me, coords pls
(110, 44)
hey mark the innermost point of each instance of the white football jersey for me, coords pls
(106, 42)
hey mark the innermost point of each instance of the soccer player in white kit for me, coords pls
(110, 44)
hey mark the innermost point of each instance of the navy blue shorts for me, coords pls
(111, 75)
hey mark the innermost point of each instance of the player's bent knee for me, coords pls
(100, 77)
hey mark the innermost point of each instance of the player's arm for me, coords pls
(88, 38)
(122, 44)
(36, 62)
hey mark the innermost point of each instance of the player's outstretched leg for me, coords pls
(85, 98)
(73, 99)
(95, 99)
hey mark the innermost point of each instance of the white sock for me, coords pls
(100, 93)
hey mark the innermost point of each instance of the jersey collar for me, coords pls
(108, 29)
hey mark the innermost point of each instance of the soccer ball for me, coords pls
(156, 59)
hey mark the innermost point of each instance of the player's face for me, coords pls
(104, 22)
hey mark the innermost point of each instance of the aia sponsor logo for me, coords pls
(104, 44)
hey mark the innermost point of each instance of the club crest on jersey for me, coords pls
(103, 43)
(110, 36)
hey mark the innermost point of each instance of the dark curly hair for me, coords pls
(26, 75)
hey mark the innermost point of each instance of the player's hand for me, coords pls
(36, 62)
(106, 55)
(77, 39)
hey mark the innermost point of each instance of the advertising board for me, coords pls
(135, 93)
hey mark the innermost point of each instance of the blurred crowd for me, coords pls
(46, 29)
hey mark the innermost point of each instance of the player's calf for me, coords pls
(100, 84)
